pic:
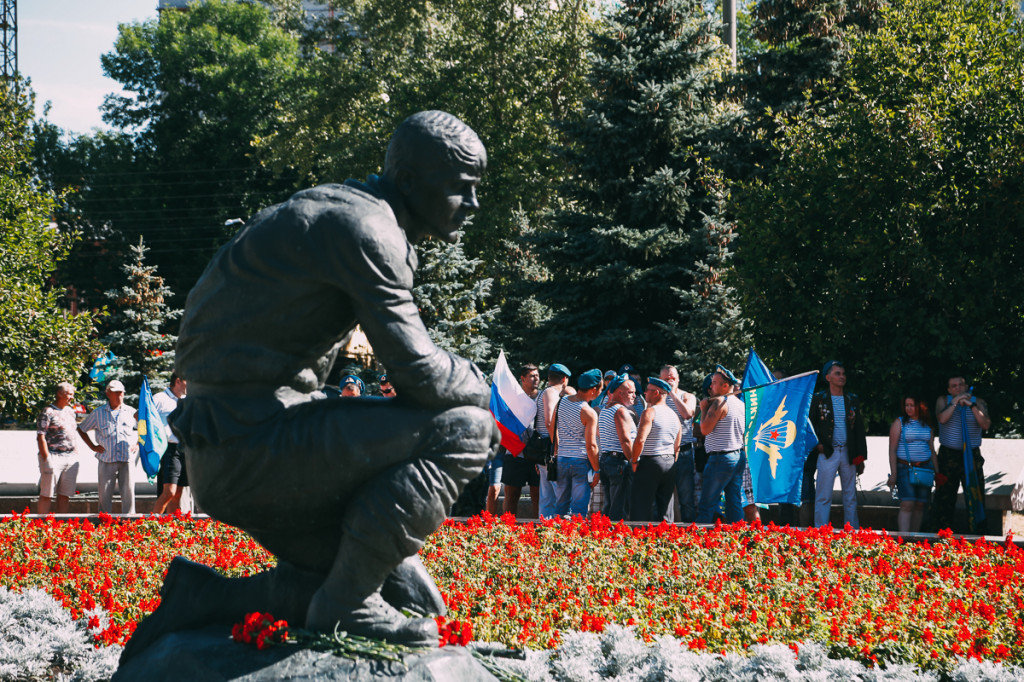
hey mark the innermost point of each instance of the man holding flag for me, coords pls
(173, 476)
(779, 436)
(515, 411)
(962, 417)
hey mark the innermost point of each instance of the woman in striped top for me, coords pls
(654, 456)
(911, 445)
(616, 431)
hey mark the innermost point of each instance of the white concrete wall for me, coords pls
(1004, 472)
(19, 466)
(1004, 469)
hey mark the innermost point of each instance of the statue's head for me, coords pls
(435, 162)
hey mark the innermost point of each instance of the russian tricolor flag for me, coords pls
(512, 408)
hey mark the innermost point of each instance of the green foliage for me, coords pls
(451, 297)
(797, 48)
(507, 69)
(889, 233)
(41, 344)
(202, 85)
(632, 258)
(138, 328)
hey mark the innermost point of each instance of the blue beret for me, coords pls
(614, 384)
(659, 383)
(559, 369)
(729, 376)
(589, 379)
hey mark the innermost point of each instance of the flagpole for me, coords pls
(781, 381)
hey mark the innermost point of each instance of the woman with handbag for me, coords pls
(912, 462)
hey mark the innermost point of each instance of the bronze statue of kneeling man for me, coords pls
(343, 492)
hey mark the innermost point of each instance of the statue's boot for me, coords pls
(350, 598)
(194, 595)
(372, 617)
(410, 588)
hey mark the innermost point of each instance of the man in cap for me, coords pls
(558, 386)
(364, 482)
(386, 389)
(117, 440)
(842, 445)
(576, 446)
(959, 407)
(722, 421)
(640, 404)
(351, 386)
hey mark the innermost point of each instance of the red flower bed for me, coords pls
(866, 596)
(116, 565)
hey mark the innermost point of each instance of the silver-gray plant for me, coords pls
(616, 654)
(39, 640)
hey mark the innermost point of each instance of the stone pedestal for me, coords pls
(210, 655)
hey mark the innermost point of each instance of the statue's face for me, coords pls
(442, 197)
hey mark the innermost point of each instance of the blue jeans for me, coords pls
(573, 486)
(685, 485)
(493, 470)
(907, 491)
(615, 479)
(723, 472)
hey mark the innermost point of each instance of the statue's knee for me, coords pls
(472, 427)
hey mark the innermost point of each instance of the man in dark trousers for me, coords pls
(953, 410)
(344, 492)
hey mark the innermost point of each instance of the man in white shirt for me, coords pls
(117, 440)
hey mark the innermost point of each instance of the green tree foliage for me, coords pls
(633, 258)
(889, 233)
(41, 344)
(202, 85)
(452, 299)
(139, 325)
(507, 69)
(795, 49)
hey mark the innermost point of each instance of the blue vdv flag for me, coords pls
(756, 372)
(778, 437)
(152, 432)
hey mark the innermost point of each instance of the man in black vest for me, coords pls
(842, 445)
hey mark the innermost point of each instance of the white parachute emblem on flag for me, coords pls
(775, 435)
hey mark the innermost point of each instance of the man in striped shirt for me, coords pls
(117, 439)
(952, 411)
(722, 422)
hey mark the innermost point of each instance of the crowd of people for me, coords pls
(111, 432)
(651, 451)
(660, 453)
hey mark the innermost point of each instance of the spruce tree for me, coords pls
(451, 297)
(629, 260)
(138, 333)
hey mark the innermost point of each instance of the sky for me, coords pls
(59, 48)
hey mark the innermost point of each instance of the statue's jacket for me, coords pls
(264, 323)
